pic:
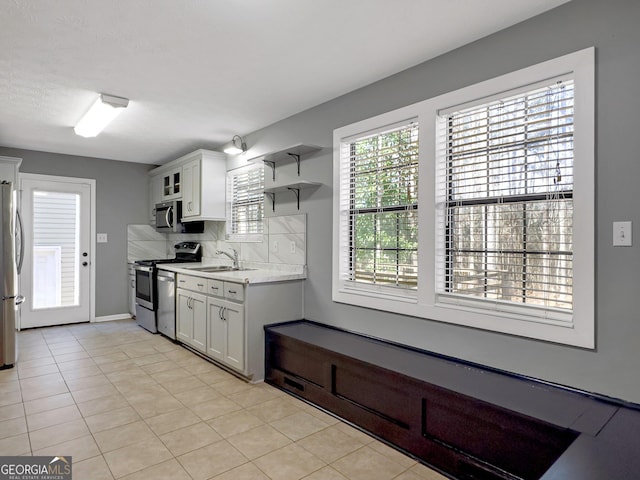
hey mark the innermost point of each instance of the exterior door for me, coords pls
(57, 278)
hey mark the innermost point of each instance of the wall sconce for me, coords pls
(105, 109)
(237, 146)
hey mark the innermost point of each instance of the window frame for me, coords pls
(576, 328)
(354, 211)
(242, 237)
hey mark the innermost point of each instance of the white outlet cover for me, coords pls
(102, 238)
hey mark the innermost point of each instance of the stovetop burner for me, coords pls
(185, 252)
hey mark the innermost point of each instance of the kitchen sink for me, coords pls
(219, 268)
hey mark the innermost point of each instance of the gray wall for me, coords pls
(121, 199)
(612, 27)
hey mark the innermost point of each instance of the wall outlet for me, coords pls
(622, 234)
(292, 248)
(102, 238)
(275, 246)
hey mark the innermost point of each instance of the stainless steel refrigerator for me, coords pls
(10, 265)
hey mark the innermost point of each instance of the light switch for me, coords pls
(622, 234)
(102, 238)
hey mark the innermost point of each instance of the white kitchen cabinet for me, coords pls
(204, 186)
(190, 196)
(172, 184)
(235, 315)
(155, 196)
(191, 319)
(225, 334)
(9, 169)
(199, 181)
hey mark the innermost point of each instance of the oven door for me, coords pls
(144, 286)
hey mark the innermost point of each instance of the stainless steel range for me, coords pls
(147, 282)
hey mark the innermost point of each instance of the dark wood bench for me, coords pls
(466, 420)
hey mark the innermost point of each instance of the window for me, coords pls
(509, 201)
(380, 207)
(245, 200)
(484, 217)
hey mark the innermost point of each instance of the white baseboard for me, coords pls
(110, 318)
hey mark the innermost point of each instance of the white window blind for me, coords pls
(508, 226)
(379, 207)
(246, 199)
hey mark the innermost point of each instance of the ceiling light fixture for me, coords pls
(105, 109)
(237, 146)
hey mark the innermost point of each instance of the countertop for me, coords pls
(251, 275)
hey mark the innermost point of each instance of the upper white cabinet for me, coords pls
(172, 184)
(204, 191)
(198, 179)
(9, 169)
(155, 195)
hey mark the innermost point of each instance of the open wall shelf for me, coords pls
(292, 153)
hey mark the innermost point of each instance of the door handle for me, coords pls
(21, 226)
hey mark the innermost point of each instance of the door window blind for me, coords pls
(508, 227)
(379, 205)
(246, 194)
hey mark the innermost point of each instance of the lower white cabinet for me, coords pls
(225, 337)
(225, 320)
(191, 319)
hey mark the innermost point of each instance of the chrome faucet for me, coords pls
(233, 257)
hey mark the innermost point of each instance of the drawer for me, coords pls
(215, 287)
(197, 284)
(234, 291)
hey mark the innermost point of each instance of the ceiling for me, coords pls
(199, 71)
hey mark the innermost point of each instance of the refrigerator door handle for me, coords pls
(21, 258)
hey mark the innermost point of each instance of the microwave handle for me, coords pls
(166, 217)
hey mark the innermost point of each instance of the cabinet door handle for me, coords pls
(181, 281)
(201, 284)
(233, 292)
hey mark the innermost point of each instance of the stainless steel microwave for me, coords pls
(168, 219)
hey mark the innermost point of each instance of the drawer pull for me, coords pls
(200, 284)
(232, 292)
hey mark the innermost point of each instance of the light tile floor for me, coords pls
(128, 404)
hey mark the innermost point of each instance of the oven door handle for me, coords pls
(142, 268)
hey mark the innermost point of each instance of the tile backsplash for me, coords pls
(283, 243)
